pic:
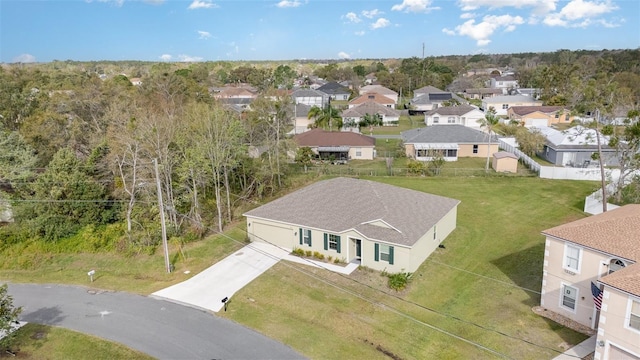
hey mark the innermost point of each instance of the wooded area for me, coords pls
(79, 142)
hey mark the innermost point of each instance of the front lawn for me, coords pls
(480, 287)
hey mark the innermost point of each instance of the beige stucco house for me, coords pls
(338, 145)
(539, 115)
(466, 115)
(379, 89)
(502, 103)
(603, 249)
(452, 141)
(381, 226)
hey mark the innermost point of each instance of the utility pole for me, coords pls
(603, 183)
(162, 220)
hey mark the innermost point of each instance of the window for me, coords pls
(434, 232)
(452, 153)
(333, 242)
(451, 120)
(475, 149)
(383, 252)
(306, 236)
(358, 152)
(505, 106)
(615, 265)
(572, 258)
(436, 119)
(569, 296)
(634, 316)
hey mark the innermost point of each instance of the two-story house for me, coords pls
(591, 275)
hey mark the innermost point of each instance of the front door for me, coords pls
(358, 249)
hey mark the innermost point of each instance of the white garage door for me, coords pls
(273, 234)
(615, 353)
(536, 122)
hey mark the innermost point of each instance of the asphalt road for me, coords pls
(159, 328)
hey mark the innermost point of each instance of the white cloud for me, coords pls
(202, 4)
(416, 6)
(467, 15)
(370, 14)
(581, 13)
(24, 58)
(380, 23)
(360, 33)
(352, 17)
(204, 34)
(288, 3)
(166, 57)
(187, 58)
(539, 6)
(115, 2)
(344, 55)
(482, 31)
(154, 2)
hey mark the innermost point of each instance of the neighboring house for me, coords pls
(428, 98)
(370, 78)
(392, 95)
(382, 227)
(539, 115)
(301, 119)
(309, 97)
(375, 97)
(602, 249)
(502, 103)
(338, 145)
(505, 82)
(335, 91)
(353, 115)
(232, 92)
(136, 81)
(482, 93)
(504, 161)
(574, 147)
(452, 141)
(466, 115)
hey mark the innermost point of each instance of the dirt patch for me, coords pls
(383, 350)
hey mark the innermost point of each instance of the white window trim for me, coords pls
(564, 258)
(380, 252)
(627, 316)
(304, 237)
(562, 286)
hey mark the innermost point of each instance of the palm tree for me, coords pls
(370, 121)
(325, 118)
(489, 121)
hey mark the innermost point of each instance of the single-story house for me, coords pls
(466, 115)
(432, 100)
(383, 227)
(379, 89)
(309, 97)
(355, 114)
(502, 103)
(372, 96)
(574, 147)
(502, 82)
(230, 92)
(482, 93)
(335, 91)
(338, 145)
(452, 141)
(504, 161)
(539, 115)
(591, 275)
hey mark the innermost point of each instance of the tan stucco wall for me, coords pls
(410, 150)
(424, 247)
(611, 327)
(506, 164)
(554, 276)
(366, 153)
(466, 150)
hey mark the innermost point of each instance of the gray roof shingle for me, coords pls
(446, 134)
(340, 204)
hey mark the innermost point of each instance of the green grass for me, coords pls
(406, 122)
(40, 342)
(495, 253)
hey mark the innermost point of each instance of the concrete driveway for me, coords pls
(207, 289)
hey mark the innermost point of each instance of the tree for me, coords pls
(8, 318)
(283, 77)
(530, 141)
(370, 121)
(490, 121)
(325, 118)
(627, 145)
(436, 161)
(304, 155)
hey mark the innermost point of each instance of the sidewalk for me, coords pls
(14, 327)
(579, 351)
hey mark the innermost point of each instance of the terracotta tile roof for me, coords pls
(525, 110)
(319, 137)
(615, 232)
(341, 204)
(626, 279)
(371, 96)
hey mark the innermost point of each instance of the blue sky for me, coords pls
(209, 30)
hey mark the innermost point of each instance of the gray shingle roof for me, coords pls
(333, 88)
(307, 93)
(446, 134)
(370, 108)
(451, 110)
(340, 204)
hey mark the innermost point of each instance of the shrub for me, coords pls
(330, 258)
(298, 252)
(308, 253)
(318, 255)
(398, 281)
(338, 261)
